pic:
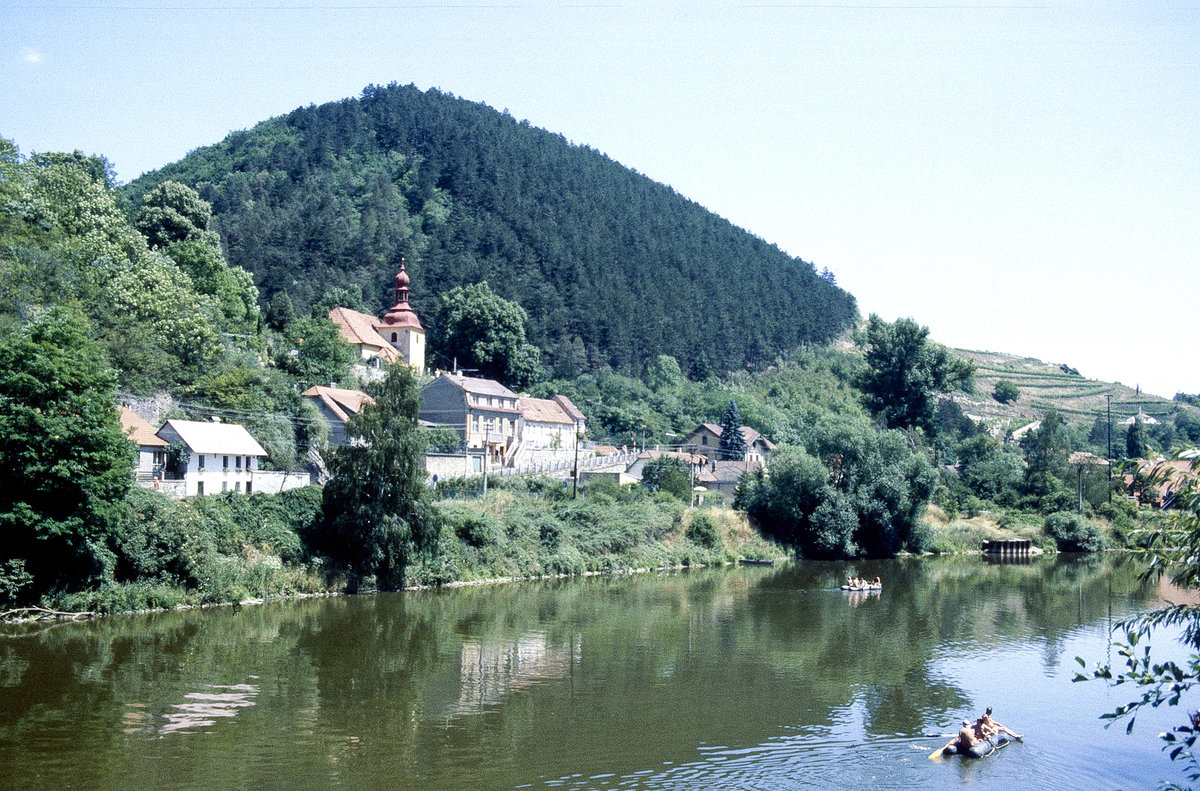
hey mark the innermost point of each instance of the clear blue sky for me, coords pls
(1020, 177)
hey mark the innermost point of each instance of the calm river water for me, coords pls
(734, 678)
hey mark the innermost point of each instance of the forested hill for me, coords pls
(612, 267)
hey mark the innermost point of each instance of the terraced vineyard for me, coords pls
(1046, 386)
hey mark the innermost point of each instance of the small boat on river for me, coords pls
(862, 588)
(980, 749)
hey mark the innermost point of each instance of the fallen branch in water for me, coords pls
(41, 614)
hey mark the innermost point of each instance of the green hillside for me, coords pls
(612, 267)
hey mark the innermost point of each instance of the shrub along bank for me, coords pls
(233, 547)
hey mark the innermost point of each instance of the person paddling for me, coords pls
(993, 726)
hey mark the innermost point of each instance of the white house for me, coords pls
(548, 432)
(224, 457)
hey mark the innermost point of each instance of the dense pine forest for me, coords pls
(612, 268)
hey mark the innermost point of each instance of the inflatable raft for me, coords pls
(980, 748)
(863, 588)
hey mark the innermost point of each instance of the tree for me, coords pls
(1005, 392)
(376, 510)
(173, 212)
(733, 444)
(65, 463)
(852, 491)
(668, 474)
(280, 312)
(487, 332)
(315, 353)
(1172, 547)
(1137, 446)
(905, 371)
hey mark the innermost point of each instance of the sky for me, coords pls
(1020, 177)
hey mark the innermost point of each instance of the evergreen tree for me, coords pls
(733, 444)
(1137, 446)
(280, 312)
(377, 513)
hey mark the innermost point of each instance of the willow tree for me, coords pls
(376, 511)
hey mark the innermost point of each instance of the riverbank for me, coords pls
(235, 549)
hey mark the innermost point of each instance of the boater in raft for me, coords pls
(980, 739)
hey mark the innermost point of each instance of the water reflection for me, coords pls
(746, 677)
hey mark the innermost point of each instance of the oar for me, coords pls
(936, 755)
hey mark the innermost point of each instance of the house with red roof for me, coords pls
(152, 449)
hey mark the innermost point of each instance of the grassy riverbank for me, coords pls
(234, 547)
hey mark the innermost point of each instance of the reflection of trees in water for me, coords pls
(639, 668)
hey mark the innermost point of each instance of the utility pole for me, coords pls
(487, 439)
(575, 475)
(1108, 396)
(691, 477)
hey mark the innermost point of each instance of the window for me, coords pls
(237, 461)
(249, 484)
(394, 336)
(200, 462)
(224, 486)
(704, 440)
(225, 463)
(237, 486)
(200, 488)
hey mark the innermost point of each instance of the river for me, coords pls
(729, 678)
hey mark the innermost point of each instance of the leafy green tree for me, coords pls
(1172, 547)
(65, 464)
(486, 332)
(315, 353)
(1047, 452)
(854, 490)
(1072, 533)
(1137, 445)
(664, 373)
(172, 212)
(905, 371)
(668, 474)
(377, 514)
(988, 470)
(1005, 392)
(733, 444)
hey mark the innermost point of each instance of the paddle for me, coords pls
(936, 755)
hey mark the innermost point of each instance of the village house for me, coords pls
(152, 449)
(222, 456)
(549, 430)
(397, 336)
(706, 440)
(338, 405)
(483, 412)
(723, 476)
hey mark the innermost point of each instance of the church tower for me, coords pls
(402, 329)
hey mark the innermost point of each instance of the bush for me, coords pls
(1073, 533)
(1006, 392)
(704, 531)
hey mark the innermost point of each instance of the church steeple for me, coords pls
(400, 326)
(402, 314)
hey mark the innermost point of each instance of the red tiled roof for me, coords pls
(543, 410)
(359, 329)
(139, 429)
(568, 407)
(341, 402)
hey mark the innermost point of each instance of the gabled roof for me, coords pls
(139, 430)
(543, 410)
(480, 386)
(219, 438)
(724, 471)
(693, 458)
(341, 402)
(359, 329)
(568, 407)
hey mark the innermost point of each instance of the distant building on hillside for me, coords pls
(706, 440)
(222, 456)
(483, 412)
